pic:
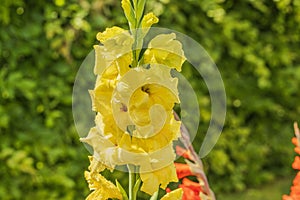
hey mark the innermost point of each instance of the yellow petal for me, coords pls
(174, 195)
(103, 189)
(109, 33)
(104, 150)
(105, 84)
(116, 50)
(95, 165)
(169, 132)
(160, 178)
(139, 105)
(165, 49)
(101, 96)
(158, 117)
(111, 155)
(130, 153)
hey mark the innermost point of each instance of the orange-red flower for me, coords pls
(295, 189)
(191, 189)
(189, 194)
(183, 170)
(195, 186)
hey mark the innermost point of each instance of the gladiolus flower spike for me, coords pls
(295, 188)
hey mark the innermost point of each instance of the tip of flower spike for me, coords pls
(297, 133)
(148, 20)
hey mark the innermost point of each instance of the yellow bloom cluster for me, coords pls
(134, 122)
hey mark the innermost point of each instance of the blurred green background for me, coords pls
(255, 44)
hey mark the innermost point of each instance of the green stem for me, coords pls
(138, 7)
(131, 172)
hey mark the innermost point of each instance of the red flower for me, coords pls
(195, 186)
(190, 189)
(183, 170)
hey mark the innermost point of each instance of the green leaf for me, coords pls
(123, 192)
(136, 187)
(135, 2)
(140, 11)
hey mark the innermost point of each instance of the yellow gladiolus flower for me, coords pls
(165, 49)
(102, 188)
(116, 49)
(174, 195)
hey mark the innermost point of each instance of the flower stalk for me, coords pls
(134, 183)
(134, 11)
(194, 163)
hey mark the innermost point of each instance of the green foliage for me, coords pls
(41, 156)
(254, 45)
(42, 43)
